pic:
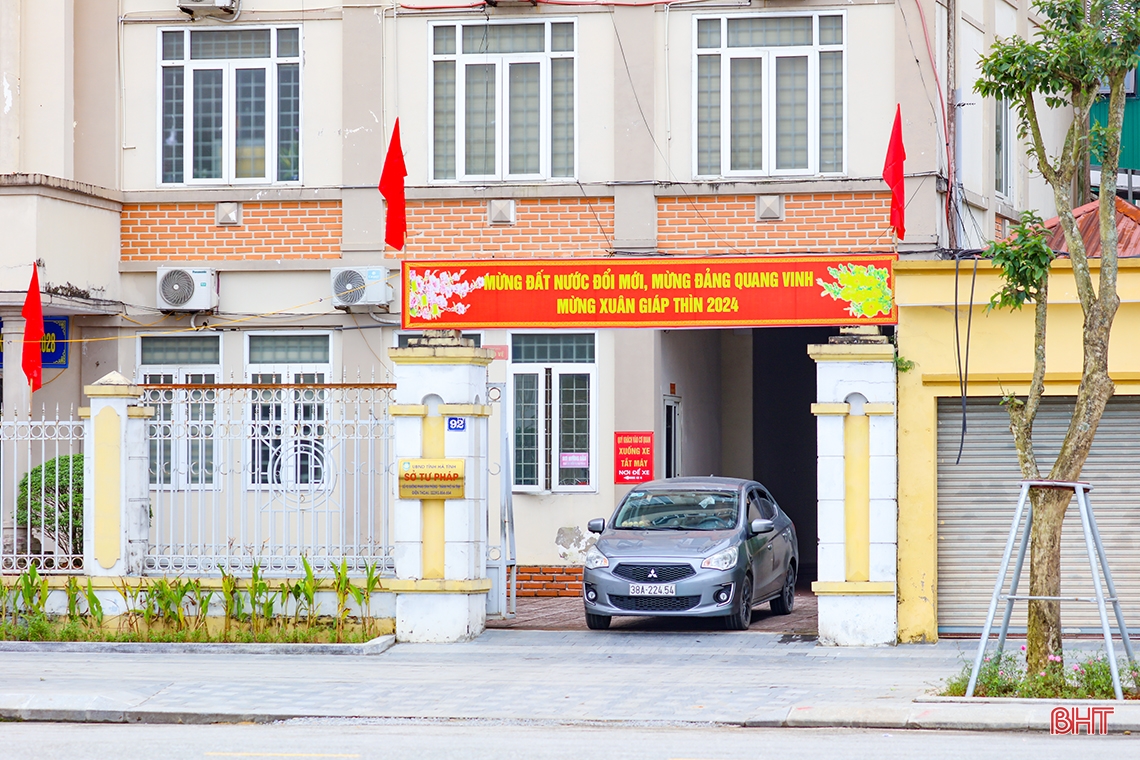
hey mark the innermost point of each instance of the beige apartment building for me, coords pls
(242, 140)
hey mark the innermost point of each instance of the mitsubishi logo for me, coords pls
(652, 573)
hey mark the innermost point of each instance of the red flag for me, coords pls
(392, 188)
(893, 176)
(33, 314)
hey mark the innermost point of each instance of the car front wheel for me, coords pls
(741, 618)
(782, 605)
(597, 622)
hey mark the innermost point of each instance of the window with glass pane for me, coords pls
(160, 430)
(552, 383)
(231, 105)
(503, 100)
(443, 119)
(831, 111)
(288, 349)
(746, 96)
(526, 429)
(708, 114)
(552, 348)
(199, 428)
(574, 430)
(791, 113)
(181, 432)
(1001, 147)
(173, 78)
(288, 122)
(768, 95)
(288, 425)
(480, 114)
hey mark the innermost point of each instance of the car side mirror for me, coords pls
(597, 525)
(759, 526)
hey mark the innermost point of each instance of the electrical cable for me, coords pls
(963, 375)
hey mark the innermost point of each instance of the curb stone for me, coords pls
(909, 716)
(375, 646)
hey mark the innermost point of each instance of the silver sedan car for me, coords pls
(705, 547)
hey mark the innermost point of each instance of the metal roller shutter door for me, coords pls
(977, 498)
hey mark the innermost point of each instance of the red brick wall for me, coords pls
(279, 230)
(818, 223)
(543, 228)
(549, 580)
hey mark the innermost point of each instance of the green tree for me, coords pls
(49, 498)
(1080, 46)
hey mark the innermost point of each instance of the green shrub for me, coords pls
(50, 498)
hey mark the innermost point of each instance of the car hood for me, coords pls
(663, 543)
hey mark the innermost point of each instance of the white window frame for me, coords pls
(288, 371)
(558, 369)
(180, 418)
(229, 137)
(769, 55)
(1006, 157)
(502, 115)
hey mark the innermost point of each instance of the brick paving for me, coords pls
(566, 614)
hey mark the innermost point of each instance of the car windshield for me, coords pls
(678, 510)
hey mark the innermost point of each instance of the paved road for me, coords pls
(612, 675)
(391, 740)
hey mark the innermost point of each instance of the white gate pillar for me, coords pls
(441, 423)
(116, 500)
(857, 489)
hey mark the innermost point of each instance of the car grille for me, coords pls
(663, 573)
(655, 603)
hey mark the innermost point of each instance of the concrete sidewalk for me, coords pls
(743, 679)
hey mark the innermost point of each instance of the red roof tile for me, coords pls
(1127, 230)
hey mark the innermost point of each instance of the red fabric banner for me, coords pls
(33, 314)
(660, 292)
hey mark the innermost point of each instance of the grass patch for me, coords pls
(323, 631)
(1006, 675)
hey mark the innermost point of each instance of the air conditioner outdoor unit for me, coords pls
(360, 286)
(184, 289)
(208, 7)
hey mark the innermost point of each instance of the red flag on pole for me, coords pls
(33, 314)
(893, 176)
(392, 188)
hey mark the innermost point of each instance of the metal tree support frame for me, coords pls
(1092, 540)
(268, 474)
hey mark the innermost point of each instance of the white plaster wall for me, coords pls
(438, 618)
(690, 360)
(835, 381)
(857, 621)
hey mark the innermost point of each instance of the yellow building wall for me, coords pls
(1001, 361)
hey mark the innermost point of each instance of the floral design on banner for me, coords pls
(430, 294)
(864, 288)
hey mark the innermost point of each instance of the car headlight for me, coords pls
(595, 558)
(723, 560)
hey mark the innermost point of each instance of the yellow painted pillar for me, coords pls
(857, 496)
(108, 487)
(433, 509)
